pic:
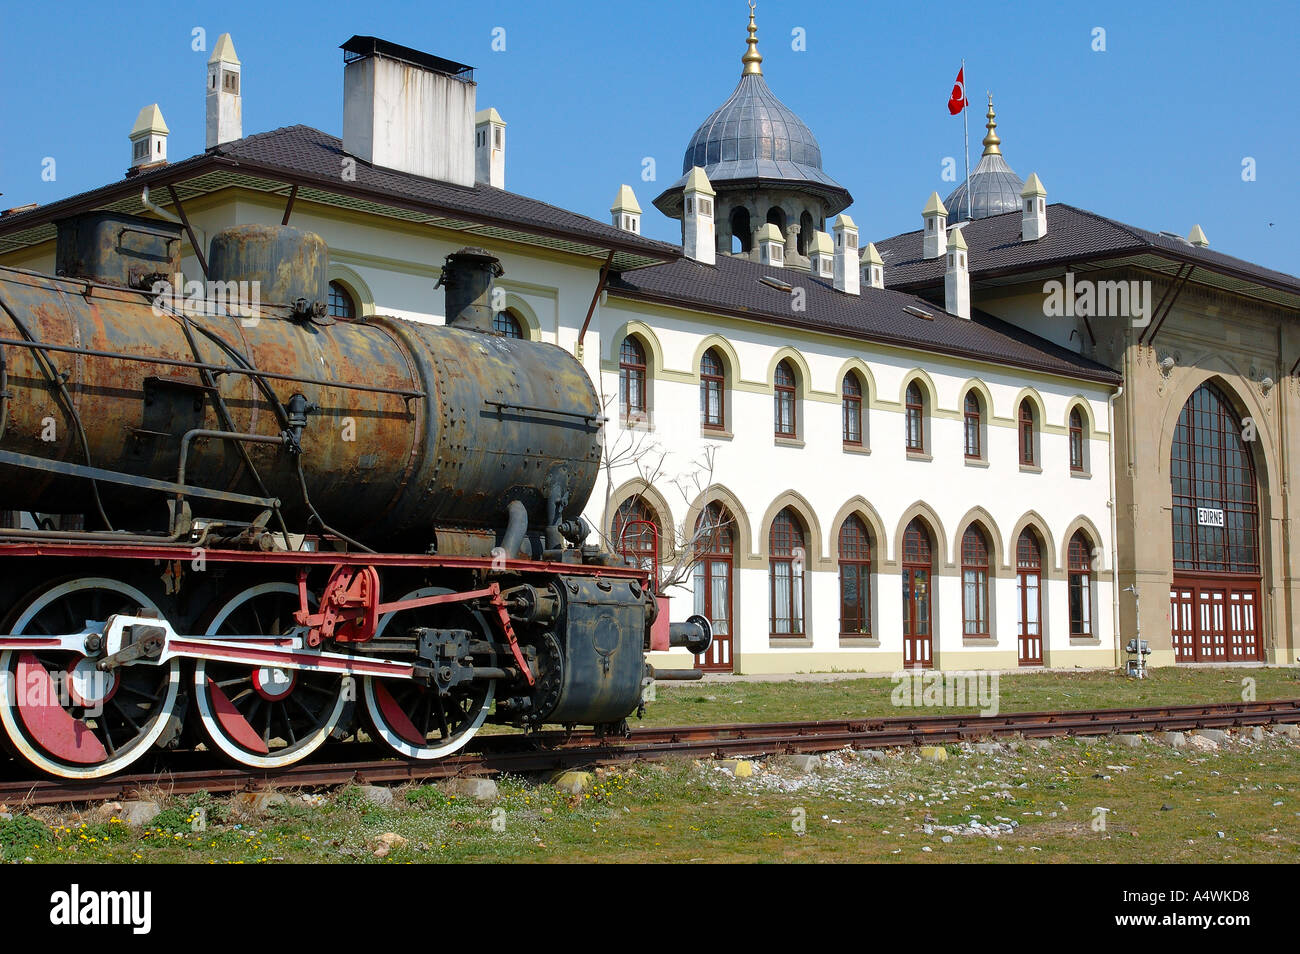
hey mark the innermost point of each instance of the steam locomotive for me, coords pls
(252, 527)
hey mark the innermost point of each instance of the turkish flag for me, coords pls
(957, 101)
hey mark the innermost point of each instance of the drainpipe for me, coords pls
(1114, 523)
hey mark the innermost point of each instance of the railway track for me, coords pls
(549, 751)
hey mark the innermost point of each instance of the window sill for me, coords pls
(1085, 640)
(976, 462)
(857, 449)
(849, 641)
(636, 424)
(919, 455)
(789, 642)
(1030, 469)
(716, 433)
(1081, 474)
(978, 641)
(787, 442)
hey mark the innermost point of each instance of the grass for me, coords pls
(690, 703)
(1160, 804)
(1163, 805)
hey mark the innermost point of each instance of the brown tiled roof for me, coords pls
(314, 160)
(733, 287)
(1073, 235)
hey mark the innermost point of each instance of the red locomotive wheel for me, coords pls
(60, 713)
(262, 716)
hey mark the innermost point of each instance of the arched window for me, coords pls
(1076, 440)
(973, 426)
(915, 419)
(741, 232)
(852, 415)
(1027, 456)
(713, 386)
(632, 538)
(806, 230)
(341, 303)
(1079, 561)
(776, 216)
(855, 578)
(1029, 598)
(787, 401)
(974, 582)
(787, 553)
(632, 380)
(505, 323)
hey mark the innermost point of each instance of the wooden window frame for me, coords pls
(787, 547)
(713, 382)
(972, 424)
(787, 394)
(1027, 431)
(855, 556)
(1076, 441)
(914, 419)
(1079, 570)
(633, 365)
(851, 406)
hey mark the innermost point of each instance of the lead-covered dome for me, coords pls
(994, 185)
(755, 139)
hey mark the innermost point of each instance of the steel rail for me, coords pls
(516, 752)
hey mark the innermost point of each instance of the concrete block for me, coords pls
(479, 789)
(1175, 740)
(574, 783)
(741, 768)
(1132, 740)
(934, 753)
(1217, 736)
(1287, 731)
(137, 814)
(988, 748)
(1255, 733)
(803, 764)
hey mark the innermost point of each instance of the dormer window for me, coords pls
(706, 206)
(852, 240)
(230, 82)
(929, 225)
(140, 150)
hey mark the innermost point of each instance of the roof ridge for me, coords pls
(1114, 223)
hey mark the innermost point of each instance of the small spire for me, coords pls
(991, 140)
(752, 59)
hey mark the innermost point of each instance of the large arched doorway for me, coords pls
(711, 579)
(1214, 610)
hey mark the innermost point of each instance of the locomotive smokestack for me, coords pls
(469, 276)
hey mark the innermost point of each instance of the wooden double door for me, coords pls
(1215, 618)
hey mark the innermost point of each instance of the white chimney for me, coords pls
(490, 148)
(821, 255)
(771, 245)
(873, 267)
(626, 211)
(148, 138)
(935, 237)
(698, 240)
(408, 111)
(224, 95)
(1197, 237)
(1033, 209)
(846, 254)
(956, 280)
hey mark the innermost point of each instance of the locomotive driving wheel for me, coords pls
(264, 717)
(414, 719)
(60, 712)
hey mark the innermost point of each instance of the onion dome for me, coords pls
(755, 140)
(994, 186)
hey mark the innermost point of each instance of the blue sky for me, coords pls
(1153, 131)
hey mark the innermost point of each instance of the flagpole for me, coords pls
(965, 122)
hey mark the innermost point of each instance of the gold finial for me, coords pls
(991, 140)
(752, 59)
